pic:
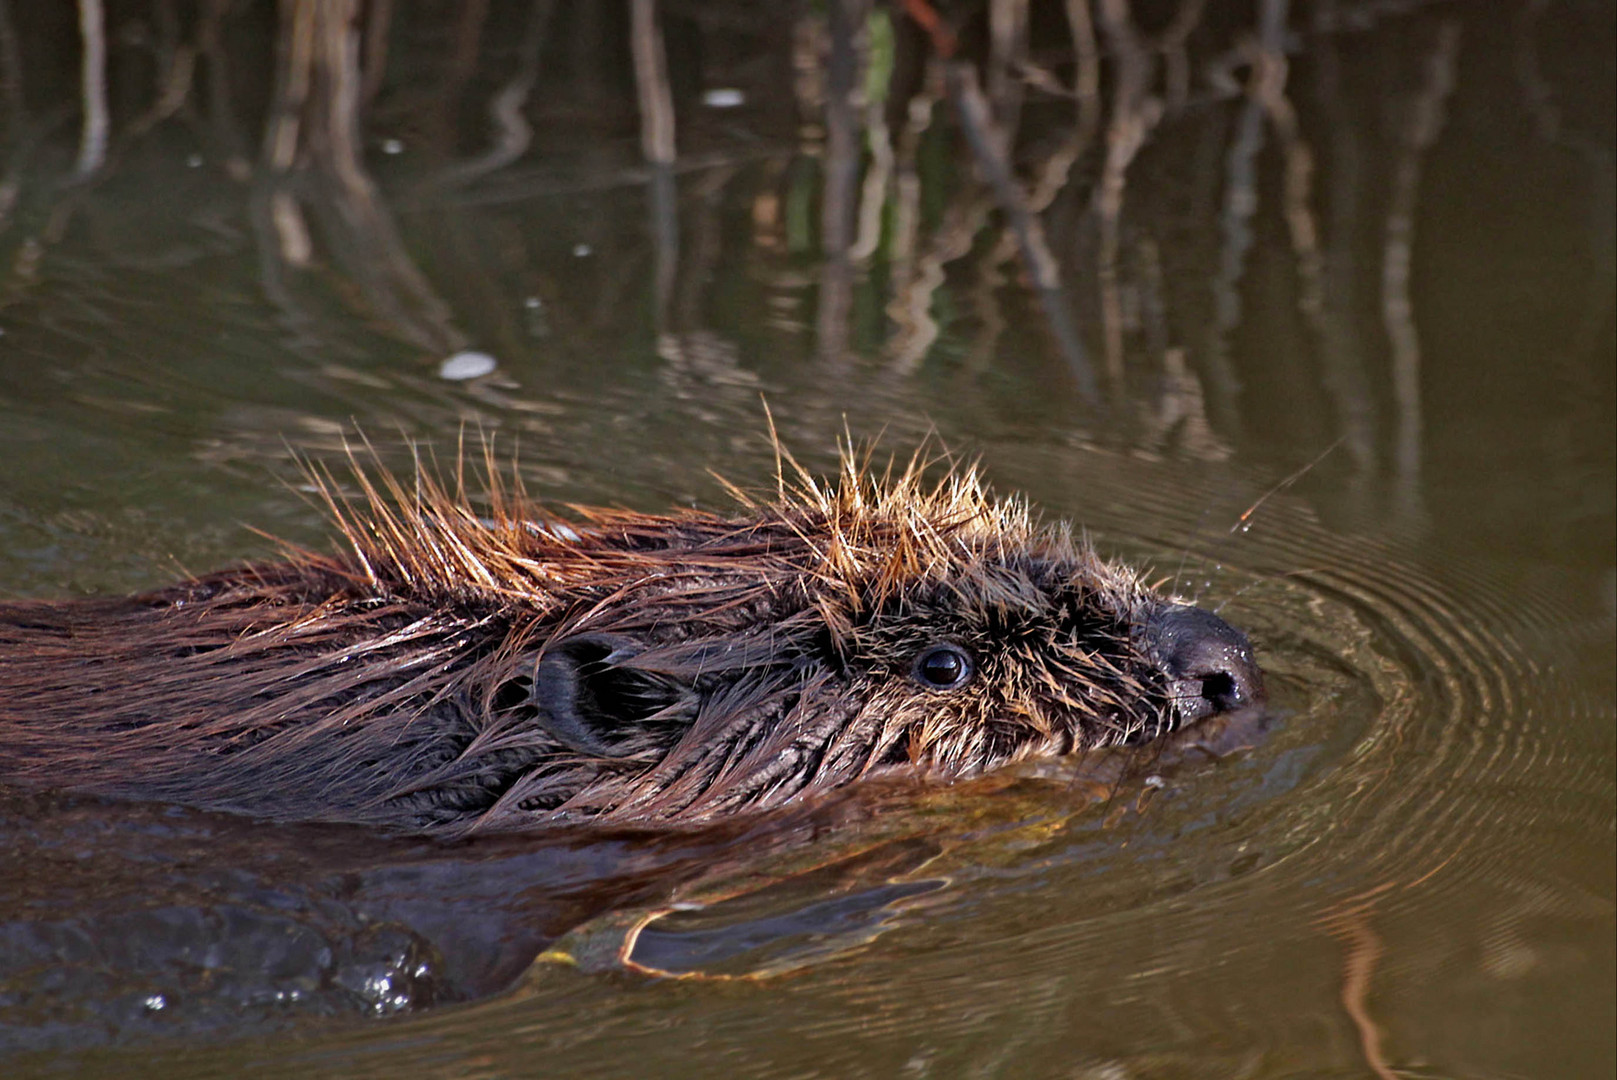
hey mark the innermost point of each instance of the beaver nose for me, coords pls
(1208, 662)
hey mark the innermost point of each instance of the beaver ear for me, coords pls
(589, 701)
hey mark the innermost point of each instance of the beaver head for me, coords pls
(457, 671)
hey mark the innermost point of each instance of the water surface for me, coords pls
(1370, 303)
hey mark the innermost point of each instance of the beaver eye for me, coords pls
(943, 667)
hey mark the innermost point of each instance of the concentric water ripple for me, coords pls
(1479, 732)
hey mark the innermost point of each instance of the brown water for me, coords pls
(1402, 254)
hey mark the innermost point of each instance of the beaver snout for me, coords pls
(1209, 663)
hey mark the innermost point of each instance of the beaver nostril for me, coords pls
(1208, 662)
(1220, 691)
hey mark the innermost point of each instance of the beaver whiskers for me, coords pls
(454, 672)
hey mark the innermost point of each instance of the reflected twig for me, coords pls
(663, 209)
(1180, 419)
(221, 112)
(1007, 56)
(985, 297)
(1134, 113)
(873, 195)
(283, 216)
(1241, 186)
(702, 257)
(16, 114)
(315, 125)
(378, 25)
(1424, 122)
(927, 18)
(11, 73)
(1547, 116)
(175, 83)
(176, 70)
(512, 132)
(1182, 412)
(1004, 74)
(1341, 349)
(1540, 98)
(282, 242)
(1171, 44)
(294, 61)
(1349, 923)
(1268, 87)
(908, 308)
(844, 19)
(1040, 264)
(1086, 76)
(444, 102)
(656, 144)
(651, 83)
(911, 309)
(1054, 173)
(95, 122)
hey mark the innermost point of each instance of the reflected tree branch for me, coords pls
(656, 145)
(315, 127)
(1007, 57)
(651, 84)
(378, 24)
(1424, 123)
(1241, 191)
(1363, 949)
(1342, 351)
(444, 102)
(96, 121)
(1042, 268)
(1540, 97)
(1086, 75)
(1176, 60)
(1134, 113)
(16, 114)
(844, 20)
(909, 306)
(221, 111)
(878, 178)
(513, 133)
(11, 73)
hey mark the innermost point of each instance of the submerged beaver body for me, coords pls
(453, 672)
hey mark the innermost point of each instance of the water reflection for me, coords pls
(1181, 192)
(1150, 258)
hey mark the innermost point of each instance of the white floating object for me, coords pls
(723, 97)
(392, 146)
(467, 365)
(582, 250)
(193, 161)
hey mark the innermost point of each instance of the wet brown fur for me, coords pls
(749, 658)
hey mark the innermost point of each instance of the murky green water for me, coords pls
(1401, 254)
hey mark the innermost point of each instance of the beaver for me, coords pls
(449, 671)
